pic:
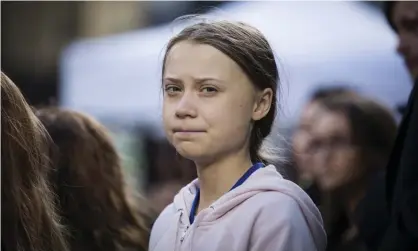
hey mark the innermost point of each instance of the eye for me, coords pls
(209, 89)
(171, 89)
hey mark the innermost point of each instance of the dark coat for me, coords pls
(402, 183)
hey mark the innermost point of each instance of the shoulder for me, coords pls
(286, 195)
(273, 202)
(161, 225)
(285, 216)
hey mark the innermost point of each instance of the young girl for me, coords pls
(220, 82)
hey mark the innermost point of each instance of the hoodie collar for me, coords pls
(183, 201)
(266, 179)
(240, 181)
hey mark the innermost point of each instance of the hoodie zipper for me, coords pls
(183, 235)
(190, 230)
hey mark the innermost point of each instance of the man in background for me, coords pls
(402, 170)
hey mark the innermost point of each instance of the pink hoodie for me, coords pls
(265, 213)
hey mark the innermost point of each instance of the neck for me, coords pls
(217, 178)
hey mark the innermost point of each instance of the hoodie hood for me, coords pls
(265, 179)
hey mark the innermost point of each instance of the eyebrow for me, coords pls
(197, 80)
(174, 80)
(202, 80)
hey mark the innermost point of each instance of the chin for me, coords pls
(327, 186)
(190, 151)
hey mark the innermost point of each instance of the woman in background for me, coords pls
(96, 205)
(28, 217)
(351, 141)
(303, 134)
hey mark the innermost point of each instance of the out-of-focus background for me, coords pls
(88, 55)
(104, 58)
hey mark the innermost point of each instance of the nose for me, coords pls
(186, 107)
(321, 158)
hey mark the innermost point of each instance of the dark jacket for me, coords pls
(402, 183)
(371, 214)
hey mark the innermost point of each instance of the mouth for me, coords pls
(187, 131)
(186, 135)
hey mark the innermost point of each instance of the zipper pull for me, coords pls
(181, 216)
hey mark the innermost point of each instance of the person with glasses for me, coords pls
(350, 144)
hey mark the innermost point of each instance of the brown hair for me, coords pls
(331, 91)
(373, 132)
(29, 221)
(251, 51)
(373, 127)
(89, 181)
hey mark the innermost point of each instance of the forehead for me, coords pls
(405, 10)
(330, 124)
(310, 111)
(189, 59)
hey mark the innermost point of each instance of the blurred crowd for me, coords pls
(64, 188)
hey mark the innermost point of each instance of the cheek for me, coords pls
(168, 108)
(346, 166)
(341, 162)
(317, 164)
(228, 112)
(228, 122)
(300, 142)
(168, 113)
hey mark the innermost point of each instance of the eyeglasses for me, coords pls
(329, 145)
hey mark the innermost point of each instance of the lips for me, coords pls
(187, 130)
(187, 134)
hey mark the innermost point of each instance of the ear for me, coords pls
(262, 104)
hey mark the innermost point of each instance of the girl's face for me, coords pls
(209, 102)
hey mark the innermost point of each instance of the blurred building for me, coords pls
(33, 34)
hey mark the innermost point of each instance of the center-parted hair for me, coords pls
(95, 201)
(248, 48)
